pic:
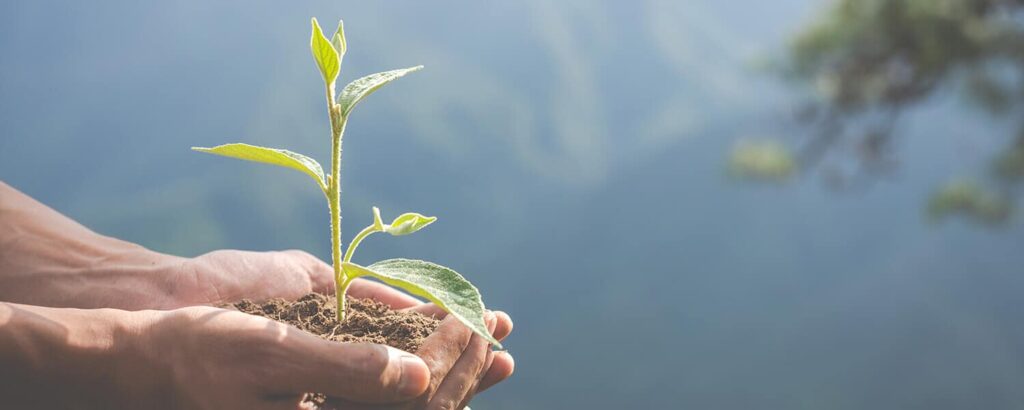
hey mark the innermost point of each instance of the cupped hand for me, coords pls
(451, 344)
(460, 363)
(226, 276)
(209, 358)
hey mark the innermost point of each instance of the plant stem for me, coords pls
(334, 199)
(355, 241)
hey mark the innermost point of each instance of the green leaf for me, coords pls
(338, 41)
(326, 56)
(408, 223)
(378, 224)
(443, 286)
(404, 224)
(355, 91)
(273, 156)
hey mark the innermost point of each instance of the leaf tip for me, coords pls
(377, 222)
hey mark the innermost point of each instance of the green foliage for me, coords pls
(355, 91)
(338, 41)
(404, 224)
(866, 62)
(441, 285)
(762, 161)
(970, 200)
(327, 58)
(273, 156)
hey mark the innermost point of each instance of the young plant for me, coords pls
(441, 285)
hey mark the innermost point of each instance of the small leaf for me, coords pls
(378, 224)
(273, 156)
(325, 55)
(408, 223)
(338, 41)
(443, 286)
(355, 91)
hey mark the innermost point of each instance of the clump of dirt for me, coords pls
(366, 320)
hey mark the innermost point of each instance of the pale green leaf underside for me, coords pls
(326, 56)
(359, 89)
(338, 40)
(408, 223)
(443, 286)
(273, 156)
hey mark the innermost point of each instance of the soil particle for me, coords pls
(366, 321)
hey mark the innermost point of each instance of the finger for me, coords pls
(443, 348)
(321, 275)
(429, 309)
(464, 374)
(503, 327)
(476, 383)
(229, 275)
(367, 289)
(501, 368)
(362, 372)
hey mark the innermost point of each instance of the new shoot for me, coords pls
(442, 286)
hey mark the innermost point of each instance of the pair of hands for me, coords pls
(181, 355)
(227, 359)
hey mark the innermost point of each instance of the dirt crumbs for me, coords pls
(367, 320)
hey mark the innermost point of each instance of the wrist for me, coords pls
(72, 358)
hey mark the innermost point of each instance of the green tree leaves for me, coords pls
(441, 285)
(327, 58)
(355, 91)
(273, 156)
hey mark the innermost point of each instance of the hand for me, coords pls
(220, 359)
(461, 365)
(48, 259)
(214, 358)
(498, 367)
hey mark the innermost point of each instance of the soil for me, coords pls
(366, 321)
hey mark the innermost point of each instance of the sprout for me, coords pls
(441, 285)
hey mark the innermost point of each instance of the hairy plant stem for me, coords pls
(338, 121)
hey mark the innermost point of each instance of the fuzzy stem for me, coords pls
(355, 241)
(334, 199)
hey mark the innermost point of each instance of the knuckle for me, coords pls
(372, 361)
(444, 404)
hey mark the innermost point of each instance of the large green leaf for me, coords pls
(443, 286)
(325, 55)
(355, 91)
(273, 156)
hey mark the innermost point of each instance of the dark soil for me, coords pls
(366, 321)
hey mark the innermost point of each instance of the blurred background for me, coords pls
(791, 204)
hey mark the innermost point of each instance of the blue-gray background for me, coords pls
(574, 152)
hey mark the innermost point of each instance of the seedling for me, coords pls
(441, 285)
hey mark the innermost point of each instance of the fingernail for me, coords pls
(414, 377)
(412, 384)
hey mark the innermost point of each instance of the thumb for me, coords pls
(360, 372)
(236, 274)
